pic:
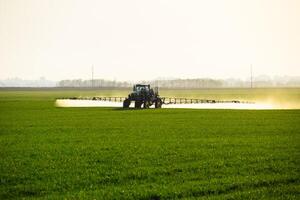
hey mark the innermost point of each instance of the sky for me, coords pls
(139, 39)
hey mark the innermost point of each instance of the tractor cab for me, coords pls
(139, 88)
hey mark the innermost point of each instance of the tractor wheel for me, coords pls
(126, 103)
(137, 104)
(158, 103)
(146, 104)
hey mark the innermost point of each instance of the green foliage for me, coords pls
(110, 153)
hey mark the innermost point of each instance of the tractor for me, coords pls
(143, 96)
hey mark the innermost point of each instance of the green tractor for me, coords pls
(143, 96)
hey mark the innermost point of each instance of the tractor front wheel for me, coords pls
(137, 104)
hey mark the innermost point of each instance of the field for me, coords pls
(110, 153)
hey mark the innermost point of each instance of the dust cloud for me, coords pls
(263, 105)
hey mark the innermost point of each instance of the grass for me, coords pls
(109, 153)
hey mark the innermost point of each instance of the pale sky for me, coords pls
(134, 40)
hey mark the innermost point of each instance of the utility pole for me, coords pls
(251, 77)
(92, 76)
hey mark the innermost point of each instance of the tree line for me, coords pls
(183, 83)
(177, 83)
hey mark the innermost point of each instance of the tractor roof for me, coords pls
(142, 85)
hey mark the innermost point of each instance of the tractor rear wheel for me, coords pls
(137, 104)
(158, 103)
(146, 104)
(126, 103)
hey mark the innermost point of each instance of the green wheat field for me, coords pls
(111, 153)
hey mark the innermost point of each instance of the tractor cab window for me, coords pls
(140, 88)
